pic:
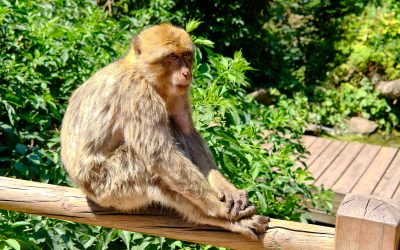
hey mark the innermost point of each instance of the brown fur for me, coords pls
(128, 140)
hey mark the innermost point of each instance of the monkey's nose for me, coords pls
(185, 73)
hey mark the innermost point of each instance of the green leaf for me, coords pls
(175, 244)
(21, 148)
(192, 25)
(142, 246)
(20, 223)
(204, 42)
(90, 242)
(34, 158)
(7, 3)
(64, 56)
(126, 237)
(21, 168)
(262, 201)
(13, 243)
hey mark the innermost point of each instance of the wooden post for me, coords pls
(366, 222)
(71, 204)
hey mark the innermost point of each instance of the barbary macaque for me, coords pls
(128, 140)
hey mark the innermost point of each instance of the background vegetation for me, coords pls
(320, 61)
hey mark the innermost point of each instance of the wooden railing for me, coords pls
(361, 222)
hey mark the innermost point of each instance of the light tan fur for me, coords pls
(128, 140)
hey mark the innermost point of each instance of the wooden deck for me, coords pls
(352, 167)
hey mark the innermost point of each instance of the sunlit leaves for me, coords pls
(233, 126)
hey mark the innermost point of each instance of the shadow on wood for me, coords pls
(71, 204)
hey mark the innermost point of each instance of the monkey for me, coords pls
(128, 138)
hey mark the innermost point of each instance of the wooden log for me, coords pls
(71, 204)
(367, 222)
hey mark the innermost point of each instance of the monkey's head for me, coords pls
(166, 54)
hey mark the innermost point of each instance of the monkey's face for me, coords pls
(167, 55)
(180, 71)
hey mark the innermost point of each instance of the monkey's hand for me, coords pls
(235, 200)
(251, 227)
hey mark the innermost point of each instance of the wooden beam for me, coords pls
(71, 204)
(366, 222)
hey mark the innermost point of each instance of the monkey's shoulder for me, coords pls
(105, 83)
(118, 90)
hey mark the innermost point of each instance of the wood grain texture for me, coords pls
(71, 204)
(325, 158)
(316, 148)
(308, 140)
(353, 173)
(375, 171)
(339, 165)
(390, 181)
(367, 222)
(396, 195)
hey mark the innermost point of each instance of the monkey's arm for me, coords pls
(160, 156)
(235, 199)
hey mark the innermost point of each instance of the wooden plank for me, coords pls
(339, 165)
(375, 171)
(390, 181)
(71, 204)
(396, 195)
(322, 216)
(316, 149)
(326, 157)
(308, 140)
(296, 236)
(356, 169)
(364, 223)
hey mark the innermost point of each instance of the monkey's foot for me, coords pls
(251, 227)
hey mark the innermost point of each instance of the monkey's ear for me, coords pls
(136, 45)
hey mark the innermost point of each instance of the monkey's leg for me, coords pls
(250, 227)
(156, 149)
(119, 182)
(194, 147)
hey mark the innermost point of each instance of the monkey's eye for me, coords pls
(187, 54)
(173, 56)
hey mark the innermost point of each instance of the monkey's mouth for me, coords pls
(182, 86)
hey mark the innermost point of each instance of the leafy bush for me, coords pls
(47, 50)
(335, 51)
(367, 52)
(371, 44)
(348, 100)
(234, 125)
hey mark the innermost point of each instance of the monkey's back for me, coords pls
(115, 101)
(90, 126)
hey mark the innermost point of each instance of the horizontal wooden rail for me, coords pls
(71, 204)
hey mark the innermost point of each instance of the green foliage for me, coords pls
(371, 43)
(335, 52)
(347, 101)
(47, 50)
(367, 52)
(234, 126)
(20, 231)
